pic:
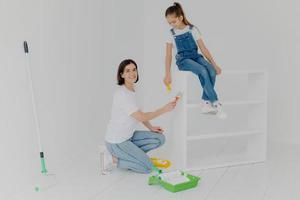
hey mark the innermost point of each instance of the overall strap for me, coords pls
(172, 31)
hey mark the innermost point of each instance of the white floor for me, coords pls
(277, 179)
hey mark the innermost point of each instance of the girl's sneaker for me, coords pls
(219, 109)
(207, 108)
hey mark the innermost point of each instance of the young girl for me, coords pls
(186, 38)
(127, 145)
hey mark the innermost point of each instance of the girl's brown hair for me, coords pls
(178, 11)
(121, 68)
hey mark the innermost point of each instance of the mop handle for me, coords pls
(42, 159)
(26, 47)
(26, 50)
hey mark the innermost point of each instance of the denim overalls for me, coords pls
(188, 59)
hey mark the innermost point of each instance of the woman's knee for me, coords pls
(161, 139)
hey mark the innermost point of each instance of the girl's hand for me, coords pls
(156, 129)
(218, 70)
(170, 106)
(167, 80)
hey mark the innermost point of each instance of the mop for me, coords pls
(44, 178)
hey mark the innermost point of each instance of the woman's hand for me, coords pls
(156, 129)
(167, 79)
(169, 106)
(144, 117)
(218, 70)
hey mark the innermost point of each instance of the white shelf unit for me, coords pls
(200, 141)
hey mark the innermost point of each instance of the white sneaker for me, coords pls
(106, 161)
(219, 109)
(207, 108)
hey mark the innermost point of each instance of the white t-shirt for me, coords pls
(121, 125)
(195, 32)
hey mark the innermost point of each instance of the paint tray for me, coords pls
(174, 181)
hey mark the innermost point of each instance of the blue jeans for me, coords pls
(132, 155)
(188, 59)
(205, 72)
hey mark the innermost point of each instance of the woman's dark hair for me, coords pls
(121, 68)
(176, 9)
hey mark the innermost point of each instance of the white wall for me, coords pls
(285, 83)
(75, 49)
(76, 46)
(240, 34)
(18, 150)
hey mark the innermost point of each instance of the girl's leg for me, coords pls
(147, 140)
(130, 157)
(200, 71)
(211, 72)
(204, 95)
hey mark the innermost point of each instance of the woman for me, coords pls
(128, 146)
